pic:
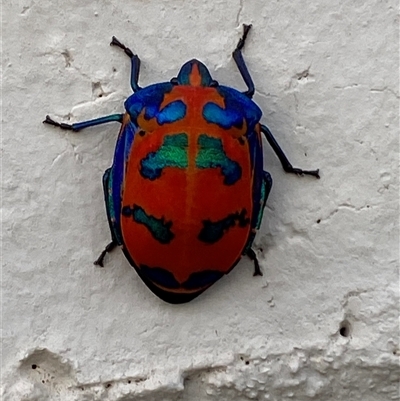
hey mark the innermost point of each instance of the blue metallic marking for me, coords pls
(213, 231)
(172, 112)
(113, 179)
(224, 118)
(265, 190)
(150, 99)
(211, 154)
(159, 228)
(172, 153)
(261, 189)
(237, 107)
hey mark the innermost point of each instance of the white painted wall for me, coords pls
(326, 75)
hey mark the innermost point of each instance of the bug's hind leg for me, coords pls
(135, 63)
(110, 247)
(238, 57)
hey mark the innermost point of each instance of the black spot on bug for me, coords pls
(158, 275)
(319, 221)
(129, 382)
(213, 231)
(108, 385)
(34, 366)
(247, 362)
(201, 279)
(345, 329)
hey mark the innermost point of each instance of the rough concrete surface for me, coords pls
(321, 324)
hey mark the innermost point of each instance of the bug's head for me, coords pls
(194, 73)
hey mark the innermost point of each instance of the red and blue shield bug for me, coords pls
(186, 191)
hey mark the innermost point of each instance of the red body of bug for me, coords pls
(186, 191)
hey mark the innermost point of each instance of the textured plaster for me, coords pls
(321, 324)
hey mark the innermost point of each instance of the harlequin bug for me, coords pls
(186, 191)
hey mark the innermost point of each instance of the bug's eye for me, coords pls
(174, 81)
(213, 84)
(141, 132)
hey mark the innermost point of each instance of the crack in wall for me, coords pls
(265, 95)
(372, 90)
(345, 206)
(239, 12)
(385, 89)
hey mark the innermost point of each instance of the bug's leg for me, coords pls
(111, 246)
(84, 124)
(238, 57)
(252, 255)
(287, 166)
(135, 63)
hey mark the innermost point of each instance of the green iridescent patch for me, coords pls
(212, 155)
(159, 228)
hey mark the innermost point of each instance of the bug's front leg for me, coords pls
(135, 63)
(238, 57)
